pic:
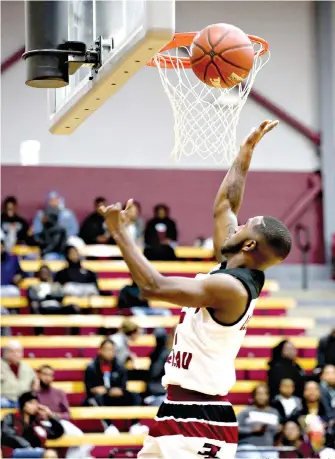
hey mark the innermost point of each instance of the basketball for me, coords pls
(222, 55)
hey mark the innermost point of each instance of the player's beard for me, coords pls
(231, 248)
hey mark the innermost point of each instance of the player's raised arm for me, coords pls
(218, 292)
(230, 194)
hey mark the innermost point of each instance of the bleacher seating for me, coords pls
(69, 355)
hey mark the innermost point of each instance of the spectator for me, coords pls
(155, 391)
(135, 224)
(93, 229)
(29, 428)
(258, 424)
(77, 280)
(106, 380)
(285, 402)
(326, 350)
(11, 273)
(130, 296)
(125, 337)
(327, 387)
(293, 436)
(52, 238)
(14, 227)
(283, 366)
(46, 296)
(66, 218)
(160, 235)
(16, 376)
(311, 403)
(56, 401)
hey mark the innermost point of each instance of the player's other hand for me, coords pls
(116, 218)
(257, 134)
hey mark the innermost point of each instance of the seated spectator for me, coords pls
(66, 218)
(106, 380)
(46, 298)
(29, 428)
(130, 296)
(292, 435)
(14, 227)
(258, 424)
(11, 273)
(285, 402)
(311, 403)
(327, 387)
(93, 229)
(283, 366)
(160, 235)
(123, 339)
(52, 238)
(77, 281)
(326, 350)
(16, 376)
(135, 225)
(56, 401)
(155, 391)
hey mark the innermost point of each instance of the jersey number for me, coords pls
(211, 452)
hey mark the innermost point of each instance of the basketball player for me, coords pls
(196, 420)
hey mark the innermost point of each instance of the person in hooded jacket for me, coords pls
(66, 217)
(52, 238)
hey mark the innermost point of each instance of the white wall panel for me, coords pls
(134, 129)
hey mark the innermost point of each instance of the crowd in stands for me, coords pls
(55, 227)
(292, 408)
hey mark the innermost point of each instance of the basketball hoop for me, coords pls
(205, 118)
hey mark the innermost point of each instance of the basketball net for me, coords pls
(205, 118)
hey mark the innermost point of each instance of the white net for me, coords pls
(205, 118)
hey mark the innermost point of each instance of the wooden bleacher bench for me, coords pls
(113, 284)
(93, 341)
(109, 251)
(119, 266)
(111, 412)
(142, 321)
(122, 439)
(112, 301)
(143, 363)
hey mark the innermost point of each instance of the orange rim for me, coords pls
(185, 39)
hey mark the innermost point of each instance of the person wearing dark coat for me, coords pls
(52, 239)
(283, 366)
(26, 429)
(326, 350)
(160, 235)
(93, 229)
(106, 380)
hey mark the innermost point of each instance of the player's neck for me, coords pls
(237, 260)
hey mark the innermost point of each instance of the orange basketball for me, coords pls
(222, 55)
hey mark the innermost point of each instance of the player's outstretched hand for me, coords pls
(116, 218)
(257, 134)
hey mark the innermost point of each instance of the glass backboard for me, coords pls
(132, 32)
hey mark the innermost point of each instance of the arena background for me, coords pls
(123, 149)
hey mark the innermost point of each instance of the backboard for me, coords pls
(132, 32)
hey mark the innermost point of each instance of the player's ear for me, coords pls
(249, 245)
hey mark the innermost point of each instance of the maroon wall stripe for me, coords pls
(189, 193)
(11, 60)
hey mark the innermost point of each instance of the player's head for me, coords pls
(263, 241)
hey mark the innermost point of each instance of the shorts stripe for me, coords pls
(168, 427)
(212, 423)
(173, 402)
(207, 413)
